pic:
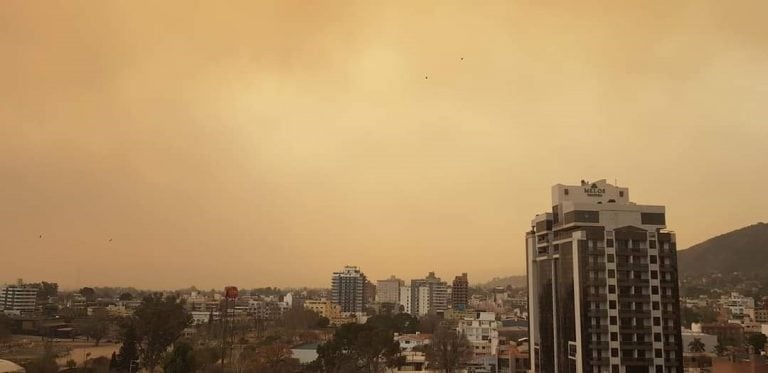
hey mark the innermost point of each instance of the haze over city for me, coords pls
(272, 143)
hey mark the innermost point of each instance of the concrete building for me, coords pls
(405, 299)
(428, 295)
(460, 292)
(388, 291)
(482, 331)
(348, 289)
(18, 298)
(602, 284)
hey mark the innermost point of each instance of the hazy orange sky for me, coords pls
(271, 143)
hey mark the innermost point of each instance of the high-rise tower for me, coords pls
(348, 288)
(602, 284)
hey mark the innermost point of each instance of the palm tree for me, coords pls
(696, 345)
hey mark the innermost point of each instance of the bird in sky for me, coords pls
(426, 77)
(41, 236)
(110, 240)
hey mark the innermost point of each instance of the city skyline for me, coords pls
(165, 145)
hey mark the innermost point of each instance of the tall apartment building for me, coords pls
(602, 284)
(18, 298)
(405, 299)
(388, 291)
(348, 289)
(460, 292)
(428, 295)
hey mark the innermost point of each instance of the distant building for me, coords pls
(602, 284)
(460, 292)
(428, 295)
(348, 288)
(482, 331)
(388, 291)
(18, 298)
(369, 292)
(405, 299)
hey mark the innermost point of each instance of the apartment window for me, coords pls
(613, 320)
(614, 336)
(654, 275)
(654, 259)
(609, 242)
(611, 273)
(621, 193)
(655, 306)
(655, 290)
(652, 244)
(612, 304)
(657, 321)
(611, 258)
(614, 352)
(566, 191)
(657, 337)
(612, 289)
(658, 353)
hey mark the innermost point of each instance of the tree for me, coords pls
(126, 297)
(696, 345)
(89, 294)
(757, 341)
(449, 350)
(95, 328)
(45, 363)
(129, 351)
(181, 359)
(159, 322)
(323, 322)
(300, 319)
(5, 327)
(429, 323)
(359, 348)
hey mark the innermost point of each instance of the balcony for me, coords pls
(634, 329)
(597, 313)
(632, 282)
(595, 266)
(602, 361)
(597, 329)
(640, 314)
(596, 282)
(645, 361)
(637, 345)
(598, 345)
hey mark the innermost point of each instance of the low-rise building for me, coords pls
(18, 298)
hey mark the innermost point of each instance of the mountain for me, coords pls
(515, 281)
(744, 250)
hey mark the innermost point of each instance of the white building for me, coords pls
(737, 304)
(482, 332)
(18, 298)
(405, 299)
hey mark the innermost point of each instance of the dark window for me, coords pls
(609, 242)
(654, 275)
(614, 352)
(657, 321)
(611, 273)
(657, 337)
(613, 320)
(612, 304)
(654, 290)
(566, 191)
(652, 244)
(611, 258)
(612, 289)
(652, 218)
(621, 193)
(614, 336)
(654, 259)
(655, 306)
(658, 353)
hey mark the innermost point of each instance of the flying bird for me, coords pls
(426, 77)
(462, 58)
(41, 236)
(110, 240)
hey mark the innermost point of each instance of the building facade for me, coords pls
(602, 284)
(428, 295)
(18, 299)
(348, 289)
(460, 292)
(388, 291)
